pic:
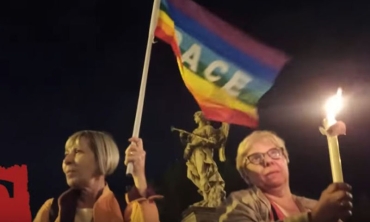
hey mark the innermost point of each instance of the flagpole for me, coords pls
(140, 103)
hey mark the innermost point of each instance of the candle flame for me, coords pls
(333, 106)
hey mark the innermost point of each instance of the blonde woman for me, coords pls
(90, 156)
(262, 161)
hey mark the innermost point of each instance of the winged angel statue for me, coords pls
(201, 168)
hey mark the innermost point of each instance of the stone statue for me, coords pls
(201, 168)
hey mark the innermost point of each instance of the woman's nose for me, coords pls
(69, 158)
(267, 160)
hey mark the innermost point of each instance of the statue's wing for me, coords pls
(224, 131)
(225, 127)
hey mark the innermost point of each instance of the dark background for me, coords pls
(76, 64)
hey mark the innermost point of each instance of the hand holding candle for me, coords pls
(332, 129)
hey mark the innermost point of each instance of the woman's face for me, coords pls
(79, 164)
(270, 167)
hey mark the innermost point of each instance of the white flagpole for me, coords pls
(140, 103)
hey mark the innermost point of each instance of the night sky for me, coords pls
(77, 64)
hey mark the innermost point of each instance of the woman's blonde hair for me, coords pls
(247, 144)
(103, 146)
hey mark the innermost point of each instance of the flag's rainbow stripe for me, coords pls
(221, 57)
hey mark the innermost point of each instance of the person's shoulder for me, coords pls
(43, 213)
(246, 196)
(247, 191)
(48, 203)
(240, 205)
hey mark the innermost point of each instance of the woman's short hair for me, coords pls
(247, 144)
(103, 146)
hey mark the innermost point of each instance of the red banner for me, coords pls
(14, 196)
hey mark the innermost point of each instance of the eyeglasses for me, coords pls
(258, 158)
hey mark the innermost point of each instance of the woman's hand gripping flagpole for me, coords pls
(140, 103)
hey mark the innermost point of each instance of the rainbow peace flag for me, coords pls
(225, 70)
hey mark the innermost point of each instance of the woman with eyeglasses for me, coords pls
(262, 161)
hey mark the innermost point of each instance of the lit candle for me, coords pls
(332, 128)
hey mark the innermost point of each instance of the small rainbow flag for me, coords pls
(225, 70)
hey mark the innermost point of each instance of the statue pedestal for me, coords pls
(199, 214)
